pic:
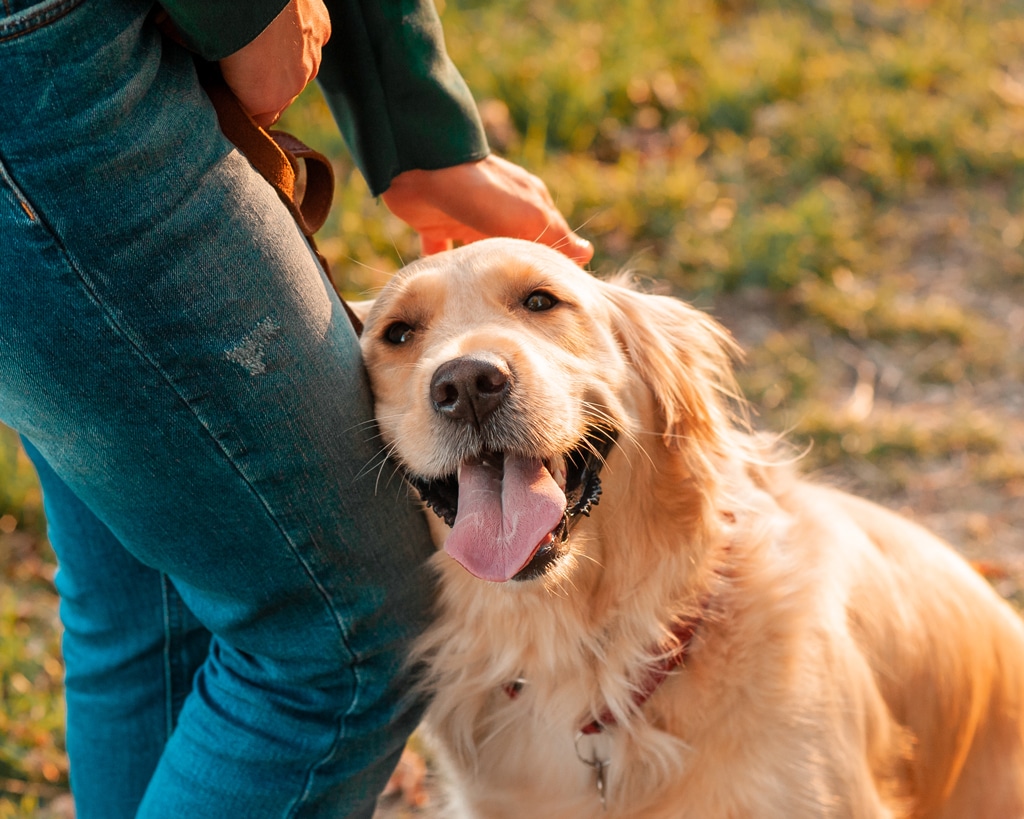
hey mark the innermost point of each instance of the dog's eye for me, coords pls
(539, 301)
(399, 333)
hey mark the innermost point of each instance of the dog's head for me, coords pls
(504, 377)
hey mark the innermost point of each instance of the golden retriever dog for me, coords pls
(644, 612)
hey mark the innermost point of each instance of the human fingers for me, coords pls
(269, 73)
(511, 201)
(474, 200)
(431, 243)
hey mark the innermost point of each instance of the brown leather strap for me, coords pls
(318, 193)
(277, 156)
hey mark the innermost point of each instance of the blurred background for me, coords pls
(840, 182)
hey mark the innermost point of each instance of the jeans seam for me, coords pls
(38, 20)
(168, 675)
(315, 768)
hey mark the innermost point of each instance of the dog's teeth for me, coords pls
(557, 469)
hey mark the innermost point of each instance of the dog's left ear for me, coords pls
(685, 359)
(360, 310)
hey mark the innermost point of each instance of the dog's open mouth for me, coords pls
(510, 515)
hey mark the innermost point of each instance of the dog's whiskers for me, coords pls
(369, 267)
(375, 464)
(625, 435)
(586, 222)
(368, 424)
(566, 583)
(383, 458)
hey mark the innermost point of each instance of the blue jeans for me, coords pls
(239, 580)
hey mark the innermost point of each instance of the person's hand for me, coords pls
(475, 200)
(268, 73)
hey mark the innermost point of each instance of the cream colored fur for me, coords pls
(849, 663)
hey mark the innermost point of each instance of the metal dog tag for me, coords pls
(600, 766)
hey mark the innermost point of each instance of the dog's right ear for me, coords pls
(684, 358)
(358, 311)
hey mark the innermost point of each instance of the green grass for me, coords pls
(841, 181)
(33, 767)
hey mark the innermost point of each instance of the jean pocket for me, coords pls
(20, 18)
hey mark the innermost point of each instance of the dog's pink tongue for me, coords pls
(501, 522)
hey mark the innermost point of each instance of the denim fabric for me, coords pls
(192, 395)
(131, 647)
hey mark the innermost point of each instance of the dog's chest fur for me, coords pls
(578, 649)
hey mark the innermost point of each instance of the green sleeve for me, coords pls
(216, 28)
(400, 102)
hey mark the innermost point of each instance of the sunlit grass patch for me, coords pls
(921, 432)
(33, 767)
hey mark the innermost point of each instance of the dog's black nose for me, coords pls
(469, 389)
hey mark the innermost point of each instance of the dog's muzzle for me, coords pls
(582, 492)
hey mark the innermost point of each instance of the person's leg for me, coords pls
(170, 347)
(131, 648)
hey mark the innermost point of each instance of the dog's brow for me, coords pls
(521, 285)
(410, 302)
